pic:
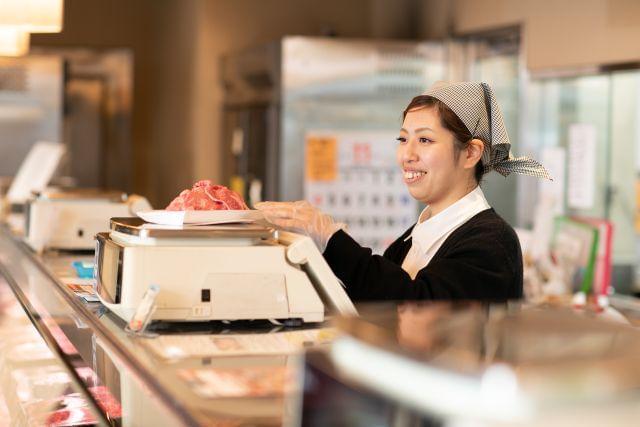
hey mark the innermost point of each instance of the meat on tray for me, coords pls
(205, 196)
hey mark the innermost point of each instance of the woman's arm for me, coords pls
(475, 268)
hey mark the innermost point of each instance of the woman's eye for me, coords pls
(425, 140)
(401, 139)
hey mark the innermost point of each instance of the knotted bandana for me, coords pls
(475, 104)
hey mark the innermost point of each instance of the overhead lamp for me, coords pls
(32, 16)
(13, 42)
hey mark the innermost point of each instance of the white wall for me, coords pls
(558, 34)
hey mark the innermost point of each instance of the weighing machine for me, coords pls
(69, 219)
(216, 272)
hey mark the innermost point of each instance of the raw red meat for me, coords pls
(71, 417)
(204, 196)
(107, 401)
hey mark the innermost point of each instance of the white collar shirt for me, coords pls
(428, 234)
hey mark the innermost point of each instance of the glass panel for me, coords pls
(83, 336)
(35, 386)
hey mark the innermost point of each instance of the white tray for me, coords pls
(164, 217)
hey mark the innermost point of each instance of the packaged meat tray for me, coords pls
(165, 217)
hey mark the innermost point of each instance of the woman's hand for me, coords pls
(301, 217)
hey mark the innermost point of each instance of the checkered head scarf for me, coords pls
(475, 104)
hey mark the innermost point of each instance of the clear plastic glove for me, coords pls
(301, 217)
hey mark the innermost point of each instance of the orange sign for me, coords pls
(321, 158)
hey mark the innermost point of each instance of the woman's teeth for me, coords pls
(413, 174)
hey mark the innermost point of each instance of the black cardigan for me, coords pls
(480, 260)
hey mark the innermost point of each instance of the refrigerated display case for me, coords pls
(218, 373)
(35, 386)
(79, 97)
(64, 355)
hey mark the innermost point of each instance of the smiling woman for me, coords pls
(459, 248)
(440, 159)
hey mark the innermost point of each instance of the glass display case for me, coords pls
(35, 386)
(212, 373)
(67, 360)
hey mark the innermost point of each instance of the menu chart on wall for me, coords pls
(353, 176)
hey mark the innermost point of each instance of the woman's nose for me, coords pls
(409, 152)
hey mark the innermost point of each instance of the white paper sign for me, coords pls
(36, 170)
(582, 166)
(553, 159)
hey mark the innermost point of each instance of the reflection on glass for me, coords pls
(556, 352)
(35, 388)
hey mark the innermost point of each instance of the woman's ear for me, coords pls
(474, 153)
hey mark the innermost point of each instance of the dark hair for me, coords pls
(451, 122)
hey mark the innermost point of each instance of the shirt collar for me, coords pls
(426, 233)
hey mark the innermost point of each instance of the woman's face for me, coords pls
(426, 155)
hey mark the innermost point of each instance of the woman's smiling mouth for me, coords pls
(411, 176)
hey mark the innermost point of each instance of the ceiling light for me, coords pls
(32, 16)
(13, 42)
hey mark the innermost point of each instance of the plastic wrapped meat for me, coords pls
(205, 196)
(72, 409)
(107, 401)
(67, 410)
